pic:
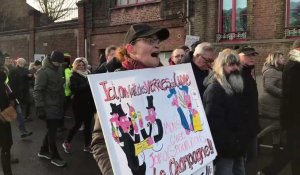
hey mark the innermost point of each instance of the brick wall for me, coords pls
(268, 19)
(212, 20)
(199, 19)
(18, 43)
(15, 45)
(136, 14)
(63, 40)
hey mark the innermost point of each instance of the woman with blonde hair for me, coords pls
(270, 107)
(272, 91)
(82, 104)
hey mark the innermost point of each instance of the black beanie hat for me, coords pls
(57, 56)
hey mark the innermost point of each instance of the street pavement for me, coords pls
(79, 162)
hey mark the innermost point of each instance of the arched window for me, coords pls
(232, 20)
(292, 22)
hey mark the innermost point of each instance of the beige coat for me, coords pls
(272, 91)
(99, 149)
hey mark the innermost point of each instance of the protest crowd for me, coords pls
(226, 82)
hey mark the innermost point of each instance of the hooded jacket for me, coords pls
(290, 108)
(48, 90)
(272, 91)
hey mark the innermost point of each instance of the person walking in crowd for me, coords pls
(67, 71)
(5, 128)
(176, 56)
(189, 55)
(203, 57)
(140, 50)
(270, 107)
(49, 99)
(33, 68)
(111, 61)
(82, 104)
(186, 49)
(250, 97)
(290, 110)
(67, 75)
(19, 78)
(222, 104)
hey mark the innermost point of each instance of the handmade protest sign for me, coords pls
(153, 121)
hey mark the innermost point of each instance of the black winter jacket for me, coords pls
(290, 106)
(80, 88)
(200, 76)
(226, 121)
(5, 129)
(250, 102)
(19, 83)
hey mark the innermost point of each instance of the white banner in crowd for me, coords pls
(153, 121)
(190, 39)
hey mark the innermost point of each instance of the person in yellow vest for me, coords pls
(5, 128)
(67, 101)
(67, 75)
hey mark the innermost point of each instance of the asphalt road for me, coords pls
(79, 162)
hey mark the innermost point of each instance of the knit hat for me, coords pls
(57, 56)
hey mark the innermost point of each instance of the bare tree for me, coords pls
(56, 9)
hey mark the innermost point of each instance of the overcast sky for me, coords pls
(32, 3)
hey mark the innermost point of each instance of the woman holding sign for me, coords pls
(140, 50)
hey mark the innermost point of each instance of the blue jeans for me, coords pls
(20, 119)
(230, 166)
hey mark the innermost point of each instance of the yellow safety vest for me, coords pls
(68, 73)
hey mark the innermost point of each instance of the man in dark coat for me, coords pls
(5, 128)
(19, 82)
(203, 58)
(290, 109)
(250, 97)
(111, 61)
(222, 104)
(48, 94)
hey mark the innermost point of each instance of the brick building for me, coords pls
(105, 22)
(268, 25)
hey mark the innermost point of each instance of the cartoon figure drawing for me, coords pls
(155, 125)
(127, 132)
(185, 102)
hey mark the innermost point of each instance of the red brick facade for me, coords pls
(101, 23)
